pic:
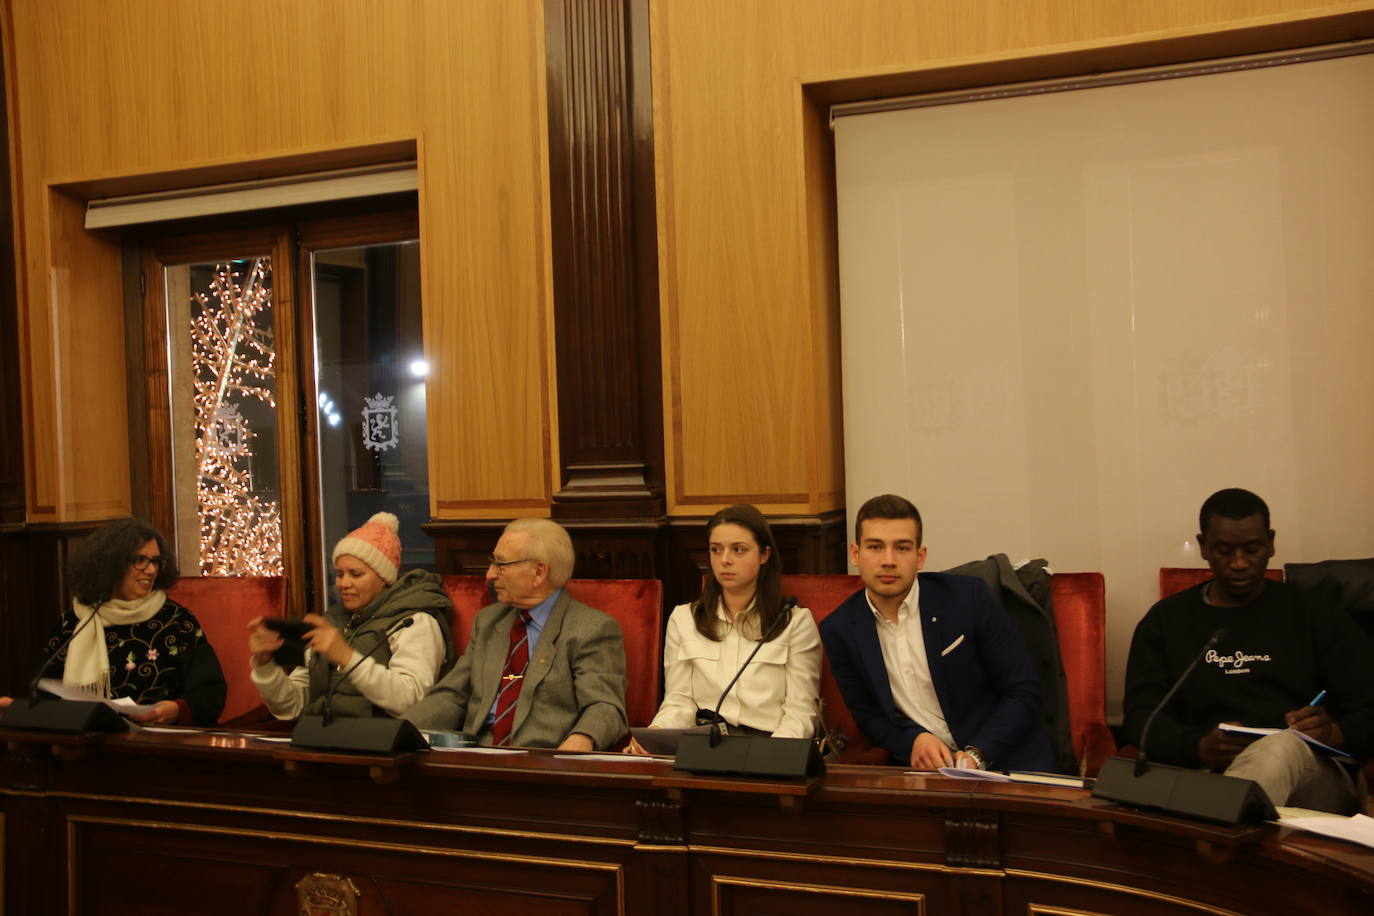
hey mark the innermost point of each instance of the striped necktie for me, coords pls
(511, 679)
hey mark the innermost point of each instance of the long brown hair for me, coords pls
(768, 588)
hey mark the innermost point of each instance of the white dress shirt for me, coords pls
(908, 669)
(778, 694)
(416, 653)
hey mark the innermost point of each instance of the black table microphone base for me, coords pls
(373, 735)
(67, 716)
(749, 755)
(1190, 793)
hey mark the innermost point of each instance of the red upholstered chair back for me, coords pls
(636, 604)
(469, 595)
(821, 594)
(1174, 579)
(224, 605)
(1080, 604)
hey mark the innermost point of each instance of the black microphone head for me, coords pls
(783, 618)
(403, 624)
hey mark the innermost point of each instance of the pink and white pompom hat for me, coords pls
(376, 544)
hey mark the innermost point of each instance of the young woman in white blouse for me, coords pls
(709, 640)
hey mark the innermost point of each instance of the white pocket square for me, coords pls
(952, 646)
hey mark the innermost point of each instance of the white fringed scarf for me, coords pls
(88, 658)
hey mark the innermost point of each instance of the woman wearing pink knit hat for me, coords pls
(388, 636)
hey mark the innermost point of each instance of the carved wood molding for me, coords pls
(672, 550)
(971, 840)
(605, 280)
(660, 822)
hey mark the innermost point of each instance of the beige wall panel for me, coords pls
(116, 90)
(750, 342)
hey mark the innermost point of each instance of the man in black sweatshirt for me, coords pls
(1278, 657)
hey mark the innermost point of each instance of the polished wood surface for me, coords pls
(746, 214)
(230, 831)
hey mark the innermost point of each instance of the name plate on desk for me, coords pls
(749, 755)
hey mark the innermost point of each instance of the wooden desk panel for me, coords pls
(213, 824)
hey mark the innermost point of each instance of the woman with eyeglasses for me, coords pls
(131, 640)
(375, 652)
(741, 608)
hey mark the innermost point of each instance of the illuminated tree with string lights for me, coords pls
(233, 359)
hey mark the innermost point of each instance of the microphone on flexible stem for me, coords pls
(333, 683)
(717, 722)
(1200, 794)
(70, 716)
(1141, 760)
(749, 755)
(33, 684)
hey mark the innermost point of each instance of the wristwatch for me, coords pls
(978, 759)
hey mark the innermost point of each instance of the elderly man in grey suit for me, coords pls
(540, 670)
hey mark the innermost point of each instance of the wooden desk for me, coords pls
(211, 823)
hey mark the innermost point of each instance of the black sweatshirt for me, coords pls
(1278, 653)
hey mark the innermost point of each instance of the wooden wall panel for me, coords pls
(12, 500)
(748, 304)
(158, 93)
(83, 336)
(33, 565)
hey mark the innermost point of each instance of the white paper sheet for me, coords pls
(1262, 732)
(1356, 829)
(122, 705)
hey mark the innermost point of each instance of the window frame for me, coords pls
(272, 241)
(290, 238)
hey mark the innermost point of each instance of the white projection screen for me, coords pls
(1068, 318)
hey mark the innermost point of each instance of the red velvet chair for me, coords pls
(1080, 610)
(469, 595)
(636, 604)
(821, 594)
(224, 605)
(1174, 579)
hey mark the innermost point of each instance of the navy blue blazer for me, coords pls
(982, 673)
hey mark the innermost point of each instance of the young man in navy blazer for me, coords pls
(930, 666)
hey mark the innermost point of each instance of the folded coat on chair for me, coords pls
(1024, 594)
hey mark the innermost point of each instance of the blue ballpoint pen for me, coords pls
(1318, 698)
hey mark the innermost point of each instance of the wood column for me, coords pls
(605, 262)
(605, 285)
(608, 342)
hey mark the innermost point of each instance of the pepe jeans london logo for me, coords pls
(1234, 663)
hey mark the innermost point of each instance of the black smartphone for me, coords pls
(290, 630)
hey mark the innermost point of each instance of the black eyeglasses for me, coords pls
(502, 564)
(141, 561)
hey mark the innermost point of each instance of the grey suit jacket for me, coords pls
(575, 681)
